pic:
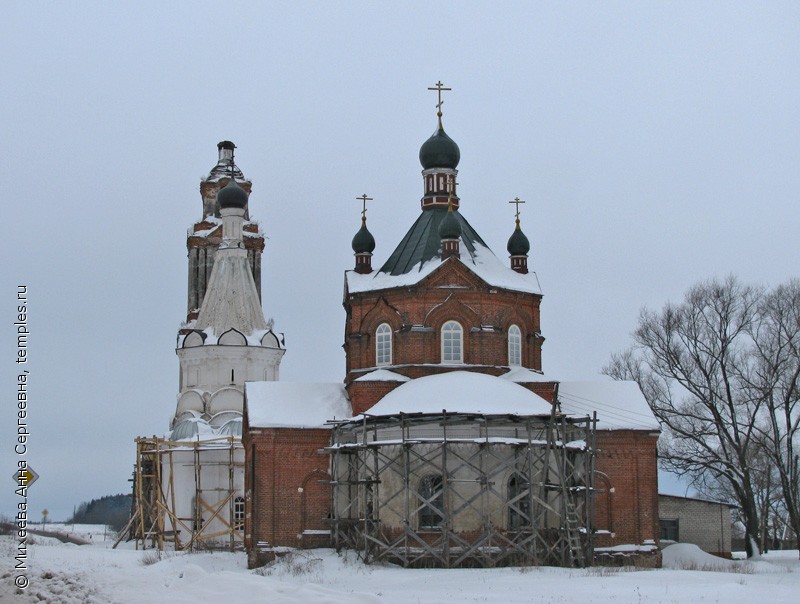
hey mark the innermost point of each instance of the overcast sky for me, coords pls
(656, 144)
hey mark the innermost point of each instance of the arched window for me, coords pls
(452, 343)
(514, 346)
(519, 503)
(431, 512)
(383, 345)
(238, 513)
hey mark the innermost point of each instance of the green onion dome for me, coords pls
(450, 227)
(518, 244)
(232, 196)
(363, 242)
(439, 151)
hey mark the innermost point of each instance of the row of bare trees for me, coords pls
(721, 371)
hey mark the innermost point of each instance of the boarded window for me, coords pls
(431, 513)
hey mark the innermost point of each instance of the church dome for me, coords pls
(518, 244)
(232, 427)
(232, 196)
(363, 242)
(449, 227)
(439, 151)
(190, 428)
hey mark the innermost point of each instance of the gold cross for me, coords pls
(451, 185)
(439, 87)
(517, 201)
(451, 188)
(364, 199)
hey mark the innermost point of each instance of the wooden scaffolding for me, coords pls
(457, 490)
(155, 519)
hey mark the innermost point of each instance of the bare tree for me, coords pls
(775, 380)
(692, 361)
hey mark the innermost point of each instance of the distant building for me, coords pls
(706, 524)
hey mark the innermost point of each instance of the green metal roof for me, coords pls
(423, 242)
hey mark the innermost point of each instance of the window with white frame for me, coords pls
(452, 343)
(238, 512)
(514, 346)
(383, 345)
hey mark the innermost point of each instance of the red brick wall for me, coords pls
(364, 395)
(430, 304)
(283, 494)
(628, 458)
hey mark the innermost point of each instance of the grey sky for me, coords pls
(656, 144)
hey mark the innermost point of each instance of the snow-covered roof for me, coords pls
(461, 392)
(254, 338)
(698, 499)
(483, 263)
(294, 404)
(523, 375)
(382, 375)
(198, 429)
(619, 405)
(216, 224)
(419, 254)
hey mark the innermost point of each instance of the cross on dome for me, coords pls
(364, 199)
(439, 87)
(517, 201)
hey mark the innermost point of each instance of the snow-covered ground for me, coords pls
(96, 573)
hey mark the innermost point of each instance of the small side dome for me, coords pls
(439, 151)
(232, 427)
(232, 196)
(518, 244)
(450, 227)
(189, 429)
(363, 242)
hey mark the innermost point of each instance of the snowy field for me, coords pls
(95, 573)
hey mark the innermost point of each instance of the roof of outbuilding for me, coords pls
(295, 405)
(620, 405)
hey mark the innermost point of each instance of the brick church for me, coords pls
(445, 445)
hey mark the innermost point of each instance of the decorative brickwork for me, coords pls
(287, 489)
(417, 313)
